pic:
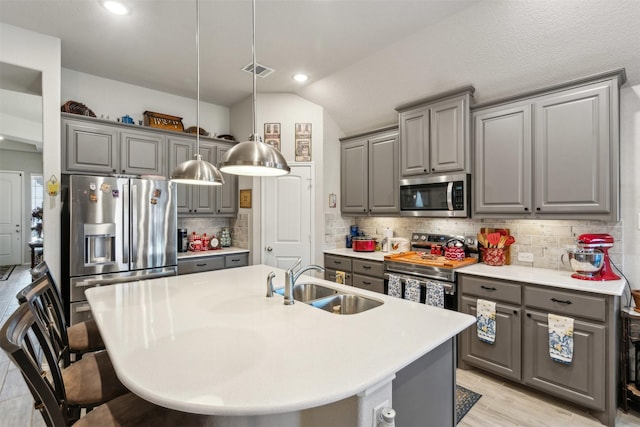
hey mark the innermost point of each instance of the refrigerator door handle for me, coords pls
(133, 218)
(125, 224)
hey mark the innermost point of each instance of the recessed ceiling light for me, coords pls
(300, 77)
(116, 7)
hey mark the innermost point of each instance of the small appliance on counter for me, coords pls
(183, 240)
(363, 244)
(590, 260)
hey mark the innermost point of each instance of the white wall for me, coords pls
(114, 99)
(630, 180)
(39, 52)
(286, 109)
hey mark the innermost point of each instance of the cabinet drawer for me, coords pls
(491, 289)
(330, 275)
(370, 268)
(566, 303)
(236, 260)
(200, 264)
(337, 263)
(368, 283)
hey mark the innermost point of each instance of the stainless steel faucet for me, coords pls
(290, 277)
(270, 277)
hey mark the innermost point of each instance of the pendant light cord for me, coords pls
(197, 153)
(253, 53)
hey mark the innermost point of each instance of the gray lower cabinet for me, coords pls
(369, 173)
(203, 199)
(521, 349)
(95, 147)
(361, 273)
(212, 262)
(551, 153)
(434, 134)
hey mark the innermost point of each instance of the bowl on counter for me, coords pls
(584, 261)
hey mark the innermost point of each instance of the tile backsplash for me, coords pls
(545, 239)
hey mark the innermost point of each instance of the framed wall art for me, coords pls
(245, 198)
(272, 135)
(303, 142)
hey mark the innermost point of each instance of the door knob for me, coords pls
(269, 248)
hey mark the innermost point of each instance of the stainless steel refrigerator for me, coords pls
(119, 230)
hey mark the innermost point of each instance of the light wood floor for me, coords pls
(503, 404)
(506, 404)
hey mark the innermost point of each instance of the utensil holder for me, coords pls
(494, 256)
(635, 293)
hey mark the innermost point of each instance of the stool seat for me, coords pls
(92, 380)
(84, 336)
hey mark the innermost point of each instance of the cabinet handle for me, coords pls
(526, 209)
(528, 314)
(515, 312)
(123, 171)
(537, 209)
(488, 288)
(195, 210)
(337, 262)
(366, 283)
(433, 169)
(114, 170)
(366, 267)
(561, 301)
(364, 210)
(201, 265)
(424, 170)
(235, 260)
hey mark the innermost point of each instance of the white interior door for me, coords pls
(10, 217)
(287, 217)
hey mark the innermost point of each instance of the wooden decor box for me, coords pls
(163, 121)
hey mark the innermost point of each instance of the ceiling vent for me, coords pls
(261, 70)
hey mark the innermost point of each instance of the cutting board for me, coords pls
(416, 258)
(507, 250)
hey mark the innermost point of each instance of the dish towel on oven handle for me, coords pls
(395, 286)
(486, 320)
(435, 294)
(412, 290)
(560, 338)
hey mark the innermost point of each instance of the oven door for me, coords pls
(450, 297)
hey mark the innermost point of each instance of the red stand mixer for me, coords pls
(591, 261)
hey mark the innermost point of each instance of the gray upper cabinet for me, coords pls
(434, 135)
(553, 153)
(369, 173)
(226, 195)
(203, 199)
(94, 147)
(89, 148)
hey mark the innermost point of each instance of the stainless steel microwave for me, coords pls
(437, 196)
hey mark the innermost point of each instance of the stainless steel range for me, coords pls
(433, 258)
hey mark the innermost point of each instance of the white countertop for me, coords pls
(212, 252)
(213, 343)
(545, 277)
(371, 256)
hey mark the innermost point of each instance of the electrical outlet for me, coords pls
(525, 256)
(377, 411)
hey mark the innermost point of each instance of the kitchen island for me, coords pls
(213, 343)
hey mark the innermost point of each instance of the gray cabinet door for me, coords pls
(354, 175)
(181, 150)
(414, 142)
(503, 357)
(383, 174)
(572, 150)
(89, 148)
(448, 135)
(503, 159)
(227, 194)
(204, 195)
(142, 153)
(583, 380)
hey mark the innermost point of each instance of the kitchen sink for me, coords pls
(305, 292)
(346, 304)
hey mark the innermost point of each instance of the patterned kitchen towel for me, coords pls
(560, 338)
(395, 286)
(340, 277)
(435, 294)
(486, 320)
(412, 290)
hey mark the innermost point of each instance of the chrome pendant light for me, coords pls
(197, 171)
(254, 157)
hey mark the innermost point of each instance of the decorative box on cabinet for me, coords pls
(578, 120)
(369, 173)
(93, 146)
(434, 134)
(521, 350)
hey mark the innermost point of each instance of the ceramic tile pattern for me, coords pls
(545, 239)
